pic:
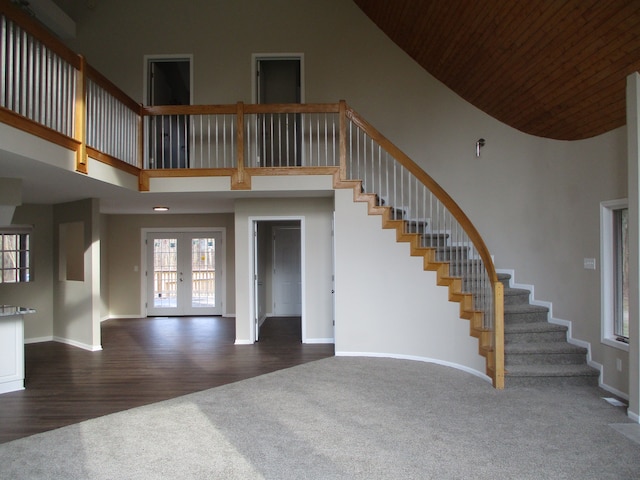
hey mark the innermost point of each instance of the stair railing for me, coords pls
(49, 91)
(425, 209)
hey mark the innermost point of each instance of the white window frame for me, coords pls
(607, 272)
(19, 230)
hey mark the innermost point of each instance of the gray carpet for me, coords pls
(344, 418)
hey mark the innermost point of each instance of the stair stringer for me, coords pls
(454, 284)
(565, 323)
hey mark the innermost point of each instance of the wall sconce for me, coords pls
(479, 144)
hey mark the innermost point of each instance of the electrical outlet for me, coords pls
(619, 364)
(590, 263)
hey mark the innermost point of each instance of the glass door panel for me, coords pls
(203, 272)
(165, 273)
(182, 279)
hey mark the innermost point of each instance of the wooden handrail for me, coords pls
(189, 110)
(466, 224)
(112, 89)
(247, 109)
(241, 174)
(433, 186)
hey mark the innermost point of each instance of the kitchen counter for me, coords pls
(12, 347)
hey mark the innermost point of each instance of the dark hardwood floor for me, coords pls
(144, 361)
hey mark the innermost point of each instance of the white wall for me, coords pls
(535, 200)
(38, 293)
(124, 253)
(315, 215)
(386, 303)
(76, 304)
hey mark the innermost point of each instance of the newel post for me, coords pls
(140, 146)
(343, 139)
(240, 140)
(80, 133)
(498, 331)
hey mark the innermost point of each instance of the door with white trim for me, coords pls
(287, 281)
(184, 273)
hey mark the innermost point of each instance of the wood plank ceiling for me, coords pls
(551, 68)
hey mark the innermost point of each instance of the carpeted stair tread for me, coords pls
(516, 296)
(525, 308)
(516, 291)
(542, 348)
(582, 370)
(533, 327)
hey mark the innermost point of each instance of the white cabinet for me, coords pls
(12, 348)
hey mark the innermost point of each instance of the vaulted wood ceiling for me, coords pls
(552, 68)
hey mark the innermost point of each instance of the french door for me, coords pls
(183, 273)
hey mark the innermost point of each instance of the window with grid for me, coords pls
(15, 257)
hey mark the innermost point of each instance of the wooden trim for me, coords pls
(280, 171)
(112, 89)
(189, 172)
(35, 28)
(140, 141)
(292, 108)
(190, 110)
(498, 333)
(240, 142)
(247, 109)
(26, 125)
(433, 186)
(143, 181)
(343, 139)
(81, 117)
(112, 161)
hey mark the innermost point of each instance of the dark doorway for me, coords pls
(169, 83)
(279, 81)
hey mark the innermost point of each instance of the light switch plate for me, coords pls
(590, 263)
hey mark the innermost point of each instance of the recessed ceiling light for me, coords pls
(160, 209)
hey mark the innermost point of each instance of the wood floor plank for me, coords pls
(144, 361)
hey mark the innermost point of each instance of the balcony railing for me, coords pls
(49, 91)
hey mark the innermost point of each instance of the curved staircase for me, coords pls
(536, 351)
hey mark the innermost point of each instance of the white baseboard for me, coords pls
(13, 386)
(73, 343)
(38, 339)
(633, 416)
(398, 356)
(243, 342)
(319, 340)
(118, 317)
(615, 391)
(557, 321)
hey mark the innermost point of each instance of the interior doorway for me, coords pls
(168, 81)
(279, 79)
(277, 272)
